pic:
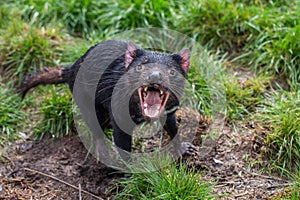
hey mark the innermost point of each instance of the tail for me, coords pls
(45, 77)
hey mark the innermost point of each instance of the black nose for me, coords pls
(155, 77)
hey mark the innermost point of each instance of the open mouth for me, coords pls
(153, 99)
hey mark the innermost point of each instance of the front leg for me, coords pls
(171, 125)
(172, 128)
(122, 140)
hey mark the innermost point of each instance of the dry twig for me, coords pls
(61, 181)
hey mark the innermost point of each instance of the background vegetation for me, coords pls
(256, 37)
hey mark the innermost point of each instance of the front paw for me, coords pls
(188, 148)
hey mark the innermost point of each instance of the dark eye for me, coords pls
(172, 72)
(139, 68)
(145, 60)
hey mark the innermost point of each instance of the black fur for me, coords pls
(116, 77)
(134, 79)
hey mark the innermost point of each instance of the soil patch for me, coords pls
(62, 169)
(65, 159)
(233, 165)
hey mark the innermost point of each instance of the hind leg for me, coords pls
(100, 144)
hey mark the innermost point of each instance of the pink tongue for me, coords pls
(152, 98)
(153, 103)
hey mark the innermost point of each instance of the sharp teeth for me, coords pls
(161, 92)
(153, 115)
(145, 89)
(146, 111)
(145, 105)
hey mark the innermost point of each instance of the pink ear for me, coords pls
(130, 54)
(185, 59)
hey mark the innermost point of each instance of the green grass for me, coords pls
(7, 13)
(282, 114)
(27, 49)
(74, 49)
(205, 87)
(56, 114)
(262, 35)
(79, 17)
(86, 18)
(294, 192)
(290, 193)
(162, 179)
(12, 117)
(243, 96)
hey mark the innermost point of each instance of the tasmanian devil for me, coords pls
(132, 84)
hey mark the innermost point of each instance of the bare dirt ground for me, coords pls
(61, 169)
(233, 166)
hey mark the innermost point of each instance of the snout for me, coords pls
(155, 77)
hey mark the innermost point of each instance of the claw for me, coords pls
(188, 148)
